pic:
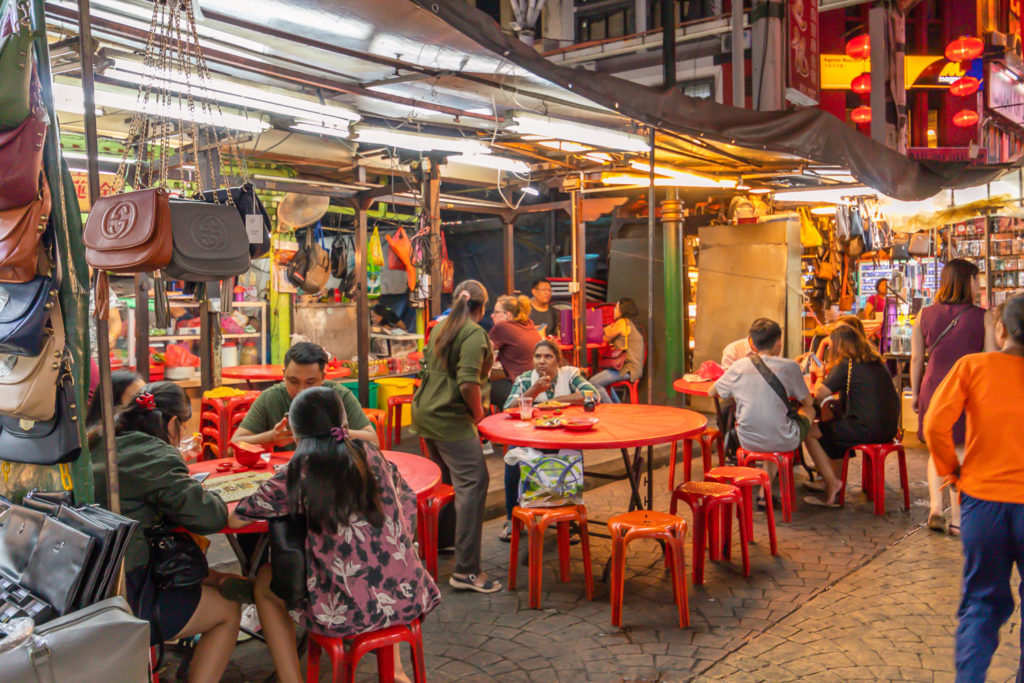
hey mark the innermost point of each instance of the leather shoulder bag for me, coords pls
(920, 244)
(58, 564)
(16, 63)
(209, 242)
(28, 385)
(24, 310)
(248, 205)
(21, 232)
(130, 232)
(288, 559)
(47, 442)
(310, 268)
(792, 407)
(21, 157)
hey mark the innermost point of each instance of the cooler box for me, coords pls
(353, 386)
(396, 386)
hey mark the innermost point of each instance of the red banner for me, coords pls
(803, 53)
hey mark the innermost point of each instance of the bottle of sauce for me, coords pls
(249, 355)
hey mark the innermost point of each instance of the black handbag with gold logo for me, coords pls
(210, 242)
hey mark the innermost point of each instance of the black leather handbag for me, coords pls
(209, 242)
(19, 530)
(248, 204)
(901, 247)
(24, 310)
(49, 442)
(58, 564)
(288, 559)
(175, 560)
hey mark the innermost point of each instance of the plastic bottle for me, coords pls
(249, 355)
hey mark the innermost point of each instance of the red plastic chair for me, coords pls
(873, 473)
(238, 407)
(669, 529)
(344, 660)
(746, 479)
(427, 512)
(153, 657)
(376, 416)
(782, 460)
(393, 421)
(708, 500)
(631, 386)
(708, 438)
(536, 521)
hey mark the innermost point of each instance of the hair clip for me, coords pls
(339, 433)
(146, 401)
(464, 294)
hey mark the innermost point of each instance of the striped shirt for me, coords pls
(568, 381)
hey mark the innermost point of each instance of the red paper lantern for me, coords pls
(861, 84)
(968, 85)
(965, 118)
(861, 114)
(859, 47)
(964, 49)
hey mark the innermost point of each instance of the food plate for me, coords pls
(551, 405)
(549, 422)
(581, 424)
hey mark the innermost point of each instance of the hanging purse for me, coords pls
(16, 63)
(24, 309)
(901, 247)
(920, 244)
(310, 268)
(47, 442)
(21, 231)
(209, 242)
(129, 232)
(252, 212)
(288, 559)
(21, 158)
(28, 385)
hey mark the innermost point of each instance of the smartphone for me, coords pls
(814, 359)
(200, 476)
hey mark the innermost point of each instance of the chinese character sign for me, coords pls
(802, 52)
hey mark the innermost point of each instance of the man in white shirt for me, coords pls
(740, 348)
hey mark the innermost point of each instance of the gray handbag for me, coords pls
(103, 642)
(210, 242)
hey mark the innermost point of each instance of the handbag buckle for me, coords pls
(7, 364)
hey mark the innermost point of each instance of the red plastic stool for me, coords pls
(708, 499)
(376, 416)
(427, 511)
(631, 386)
(345, 660)
(873, 472)
(784, 462)
(658, 526)
(708, 438)
(746, 479)
(536, 521)
(393, 422)
(154, 676)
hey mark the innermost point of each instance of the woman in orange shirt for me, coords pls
(989, 388)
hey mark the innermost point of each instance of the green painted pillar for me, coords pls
(675, 271)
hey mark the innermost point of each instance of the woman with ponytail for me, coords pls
(445, 411)
(514, 335)
(363, 571)
(156, 490)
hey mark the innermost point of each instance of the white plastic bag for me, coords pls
(548, 479)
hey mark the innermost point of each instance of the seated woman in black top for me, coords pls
(872, 407)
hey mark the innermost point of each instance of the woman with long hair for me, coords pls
(514, 335)
(157, 490)
(445, 411)
(363, 571)
(124, 384)
(872, 407)
(989, 478)
(624, 335)
(944, 332)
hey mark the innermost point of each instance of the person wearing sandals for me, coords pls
(445, 411)
(871, 408)
(363, 571)
(989, 389)
(548, 381)
(945, 332)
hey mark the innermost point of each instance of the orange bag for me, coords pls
(401, 248)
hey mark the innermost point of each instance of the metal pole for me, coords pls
(673, 264)
(362, 300)
(650, 272)
(509, 254)
(668, 43)
(739, 89)
(141, 330)
(877, 30)
(431, 204)
(578, 286)
(102, 331)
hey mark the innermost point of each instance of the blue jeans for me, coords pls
(993, 541)
(601, 381)
(511, 489)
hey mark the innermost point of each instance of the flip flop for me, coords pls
(816, 486)
(937, 523)
(819, 502)
(469, 583)
(954, 530)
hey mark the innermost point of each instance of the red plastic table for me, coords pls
(692, 388)
(274, 373)
(622, 425)
(592, 352)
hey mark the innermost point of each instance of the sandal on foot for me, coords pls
(506, 532)
(820, 502)
(816, 486)
(937, 523)
(953, 530)
(469, 582)
(238, 589)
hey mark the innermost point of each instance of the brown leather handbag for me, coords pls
(21, 231)
(21, 157)
(129, 232)
(28, 384)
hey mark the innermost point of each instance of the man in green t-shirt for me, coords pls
(267, 420)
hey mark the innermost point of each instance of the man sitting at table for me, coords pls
(267, 420)
(541, 313)
(765, 423)
(734, 351)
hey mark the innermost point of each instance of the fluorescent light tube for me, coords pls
(491, 161)
(526, 123)
(823, 196)
(321, 130)
(418, 141)
(74, 154)
(690, 179)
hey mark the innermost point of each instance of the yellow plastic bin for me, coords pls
(395, 386)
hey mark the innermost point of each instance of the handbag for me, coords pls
(208, 242)
(129, 233)
(58, 564)
(310, 268)
(21, 231)
(251, 211)
(447, 269)
(920, 244)
(19, 530)
(24, 309)
(399, 258)
(612, 359)
(901, 247)
(833, 407)
(288, 559)
(16, 64)
(175, 560)
(21, 157)
(45, 442)
(28, 385)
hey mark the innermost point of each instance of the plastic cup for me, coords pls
(525, 408)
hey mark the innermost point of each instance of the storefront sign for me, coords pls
(81, 180)
(803, 49)
(968, 154)
(919, 71)
(1005, 93)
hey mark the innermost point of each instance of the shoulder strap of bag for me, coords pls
(774, 382)
(944, 332)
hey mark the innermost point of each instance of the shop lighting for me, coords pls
(760, 190)
(964, 49)
(743, 188)
(823, 195)
(491, 161)
(269, 12)
(72, 154)
(823, 210)
(532, 191)
(557, 145)
(962, 87)
(861, 114)
(559, 129)
(599, 157)
(691, 179)
(859, 47)
(965, 118)
(417, 141)
(861, 84)
(316, 129)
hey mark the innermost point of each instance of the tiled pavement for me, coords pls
(851, 596)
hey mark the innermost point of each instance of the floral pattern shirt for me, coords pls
(360, 578)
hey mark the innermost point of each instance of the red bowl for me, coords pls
(581, 424)
(514, 413)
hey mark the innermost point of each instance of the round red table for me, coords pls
(274, 373)
(622, 426)
(692, 388)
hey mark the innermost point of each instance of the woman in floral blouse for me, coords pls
(363, 572)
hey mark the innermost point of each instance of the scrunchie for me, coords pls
(339, 433)
(464, 294)
(146, 401)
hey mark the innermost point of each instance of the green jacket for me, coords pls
(155, 487)
(438, 409)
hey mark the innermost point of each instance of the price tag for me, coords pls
(254, 228)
